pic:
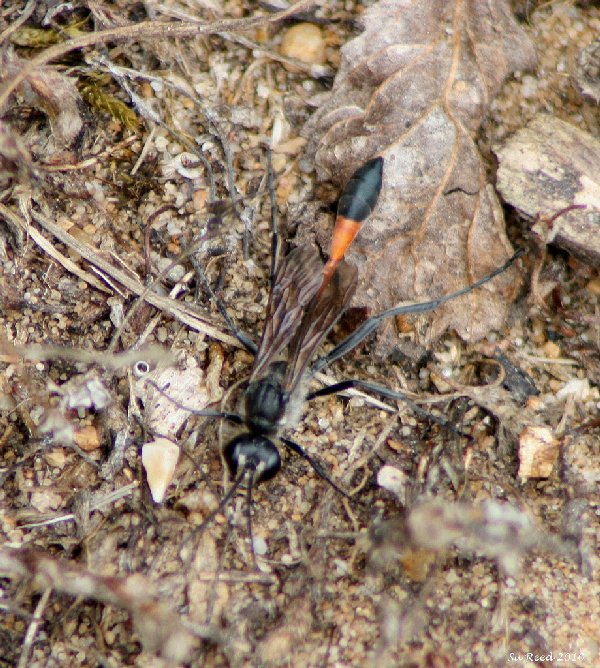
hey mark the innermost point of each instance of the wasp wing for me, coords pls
(296, 282)
(320, 316)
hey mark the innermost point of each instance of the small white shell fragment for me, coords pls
(260, 546)
(159, 459)
(140, 369)
(280, 130)
(186, 165)
(394, 480)
(538, 452)
(86, 392)
(578, 388)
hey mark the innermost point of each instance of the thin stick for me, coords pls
(274, 227)
(32, 628)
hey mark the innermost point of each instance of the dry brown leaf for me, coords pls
(414, 88)
(52, 92)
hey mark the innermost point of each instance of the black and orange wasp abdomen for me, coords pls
(355, 205)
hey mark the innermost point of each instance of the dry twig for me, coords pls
(158, 626)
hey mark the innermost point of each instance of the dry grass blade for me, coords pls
(157, 624)
(36, 352)
(183, 312)
(48, 248)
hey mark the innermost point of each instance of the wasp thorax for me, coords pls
(253, 453)
(264, 404)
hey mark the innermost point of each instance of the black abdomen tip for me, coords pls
(362, 191)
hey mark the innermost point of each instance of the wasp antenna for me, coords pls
(225, 415)
(355, 205)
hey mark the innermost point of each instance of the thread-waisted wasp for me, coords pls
(307, 296)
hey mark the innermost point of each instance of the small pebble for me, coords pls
(260, 546)
(88, 438)
(594, 286)
(56, 457)
(538, 452)
(551, 350)
(392, 479)
(304, 42)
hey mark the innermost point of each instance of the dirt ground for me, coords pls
(459, 557)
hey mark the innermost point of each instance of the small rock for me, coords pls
(538, 452)
(88, 438)
(394, 480)
(260, 546)
(159, 459)
(304, 42)
(547, 167)
(551, 350)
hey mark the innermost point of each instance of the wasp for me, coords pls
(306, 299)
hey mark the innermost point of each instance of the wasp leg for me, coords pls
(385, 392)
(370, 325)
(239, 334)
(317, 468)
